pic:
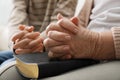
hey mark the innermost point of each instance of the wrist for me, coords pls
(105, 46)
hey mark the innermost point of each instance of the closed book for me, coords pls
(39, 65)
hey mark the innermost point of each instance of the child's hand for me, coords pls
(27, 41)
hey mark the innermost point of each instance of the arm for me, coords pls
(84, 44)
(18, 16)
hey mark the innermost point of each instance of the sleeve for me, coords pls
(65, 7)
(116, 38)
(18, 16)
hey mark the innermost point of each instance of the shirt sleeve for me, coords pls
(116, 38)
(64, 7)
(18, 16)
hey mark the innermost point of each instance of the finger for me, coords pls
(59, 16)
(59, 36)
(18, 36)
(39, 48)
(22, 43)
(62, 49)
(67, 56)
(54, 26)
(31, 35)
(29, 29)
(68, 25)
(33, 43)
(21, 27)
(75, 20)
(50, 43)
(55, 55)
(23, 51)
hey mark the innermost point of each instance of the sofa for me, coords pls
(3, 38)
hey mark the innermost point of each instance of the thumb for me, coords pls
(75, 20)
(59, 16)
(21, 27)
(29, 29)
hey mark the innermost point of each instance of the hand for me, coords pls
(84, 44)
(55, 26)
(27, 41)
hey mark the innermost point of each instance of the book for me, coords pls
(39, 65)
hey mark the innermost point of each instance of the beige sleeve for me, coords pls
(116, 37)
(18, 16)
(65, 7)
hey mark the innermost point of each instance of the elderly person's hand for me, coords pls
(27, 41)
(62, 42)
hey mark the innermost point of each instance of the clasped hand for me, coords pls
(68, 39)
(27, 41)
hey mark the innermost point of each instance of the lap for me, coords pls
(105, 71)
(5, 55)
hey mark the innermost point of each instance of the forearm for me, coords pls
(102, 45)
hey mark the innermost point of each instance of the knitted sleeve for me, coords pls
(116, 38)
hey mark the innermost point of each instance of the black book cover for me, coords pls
(39, 65)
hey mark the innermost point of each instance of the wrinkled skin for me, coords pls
(71, 40)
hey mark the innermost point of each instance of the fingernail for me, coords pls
(59, 16)
(75, 20)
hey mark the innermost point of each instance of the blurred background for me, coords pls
(5, 9)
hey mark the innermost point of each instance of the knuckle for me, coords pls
(50, 33)
(50, 27)
(46, 42)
